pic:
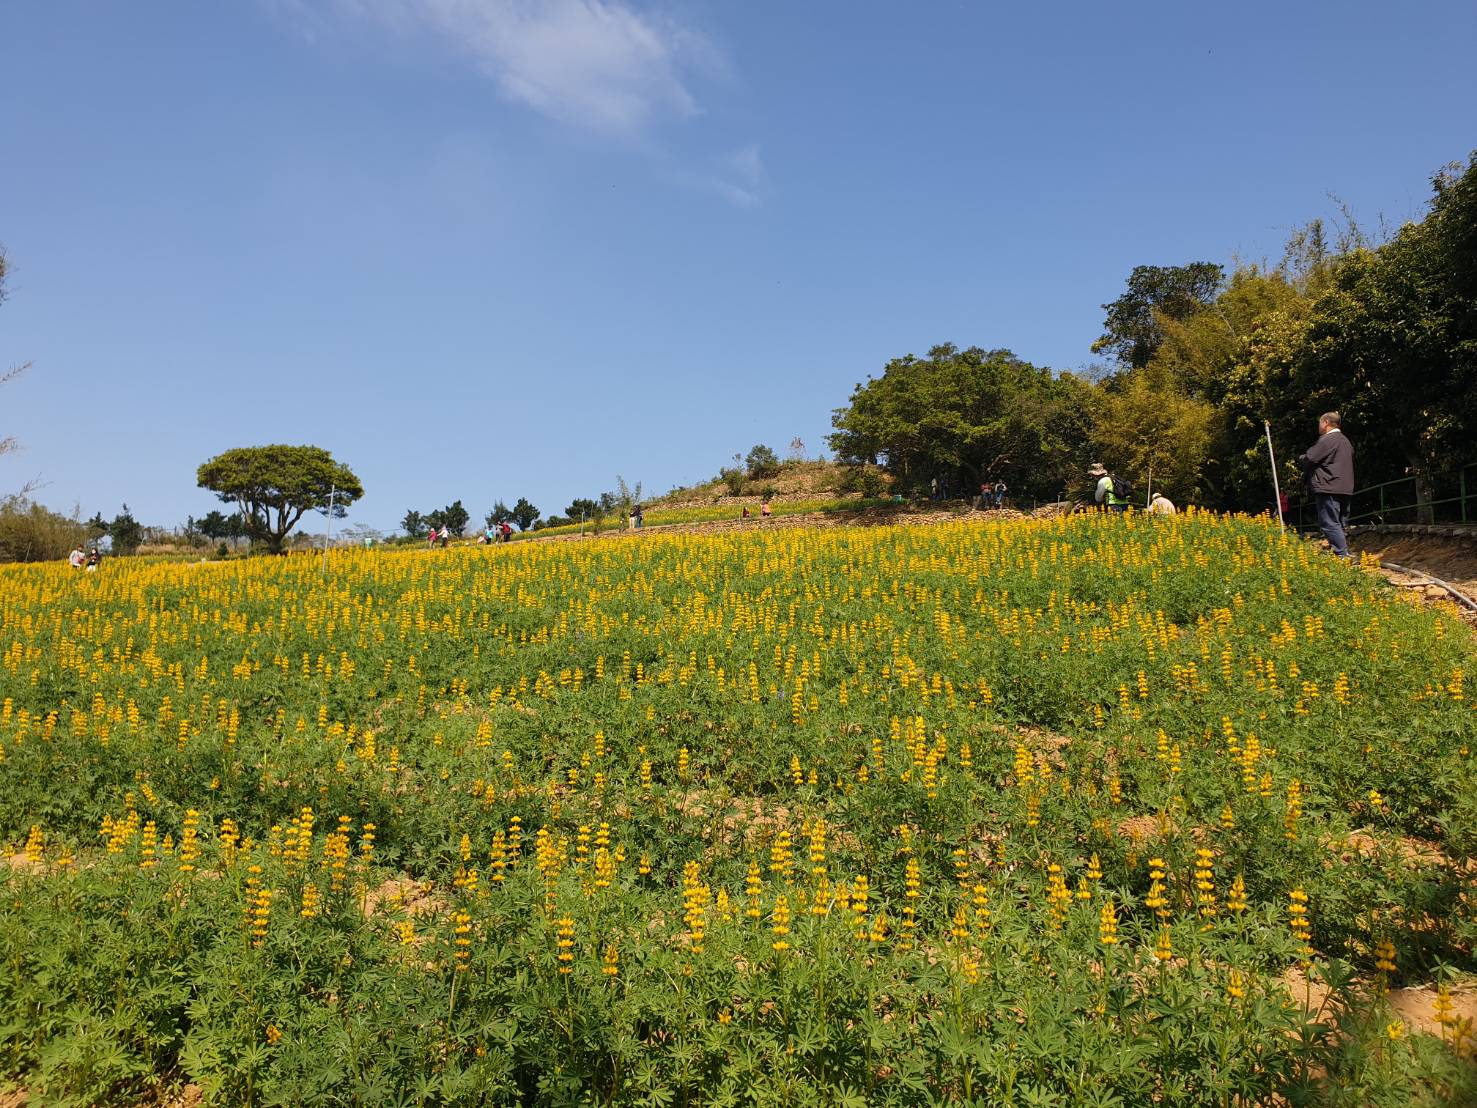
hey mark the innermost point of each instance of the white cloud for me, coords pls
(738, 176)
(598, 64)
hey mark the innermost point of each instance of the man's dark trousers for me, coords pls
(1333, 520)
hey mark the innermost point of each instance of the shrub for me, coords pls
(733, 477)
(31, 533)
(866, 480)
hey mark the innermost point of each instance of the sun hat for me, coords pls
(1096, 470)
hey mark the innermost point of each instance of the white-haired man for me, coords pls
(1329, 468)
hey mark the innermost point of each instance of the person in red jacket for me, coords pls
(1329, 468)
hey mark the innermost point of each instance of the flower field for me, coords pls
(1056, 812)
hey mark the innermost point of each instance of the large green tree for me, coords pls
(1133, 328)
(969, 414)
(1154, 434)
(454, 516)
(1392, 344)
(275, 486)
(524, 513)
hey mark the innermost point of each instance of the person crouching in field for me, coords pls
(1161, 505)
(1329, 468)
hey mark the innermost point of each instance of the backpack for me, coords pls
(1122, 490)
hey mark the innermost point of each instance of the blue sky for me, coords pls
(489, 248)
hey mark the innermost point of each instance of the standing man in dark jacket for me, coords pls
(1329, 467)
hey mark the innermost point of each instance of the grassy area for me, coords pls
(1035, 813)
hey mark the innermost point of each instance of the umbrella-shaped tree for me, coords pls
(274, 486)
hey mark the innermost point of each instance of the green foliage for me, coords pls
(969, 413)
(126, 532)
(1392, 342)
(455, 517)
(625, 498)
(31, 533)
(524, 513)
(1147, 430)
(867, 480)
(1382, 333)
(274, 486)
(761, 462)
(499, 513)
(582, 508)
(949, 711)
(1133, 329)
(216, 525)
(734, 478)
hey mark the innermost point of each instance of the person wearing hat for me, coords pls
(1161, 505)
(1104, 494)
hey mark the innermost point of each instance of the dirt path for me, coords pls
(1453, 560)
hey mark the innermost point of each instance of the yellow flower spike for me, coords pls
(860, 892)
(980, 903)
(1163, 947)
(781, 856)
(1205, 899)
(780, 923)
(36, 845)
(564, 945)
(1108, 924)
(1236, 898)
(1297, 920)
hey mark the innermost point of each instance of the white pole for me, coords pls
(328, 526)
(1276, 485)
(1149, 492)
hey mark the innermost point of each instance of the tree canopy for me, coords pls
(1133, 328)
(970, 414)
(524, 513)
(275, 486)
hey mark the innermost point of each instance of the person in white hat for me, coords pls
(1107, 492)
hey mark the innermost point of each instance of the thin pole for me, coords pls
(1149, 492)
(328, 527)
(1276, 485)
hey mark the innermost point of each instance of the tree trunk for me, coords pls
(1424, 491)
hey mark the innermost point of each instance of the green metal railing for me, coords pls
(1399, 501)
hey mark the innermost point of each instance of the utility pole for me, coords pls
(328, 527)
(1276, 485)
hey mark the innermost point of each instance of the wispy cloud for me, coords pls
(604, 65)
(738, 176)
